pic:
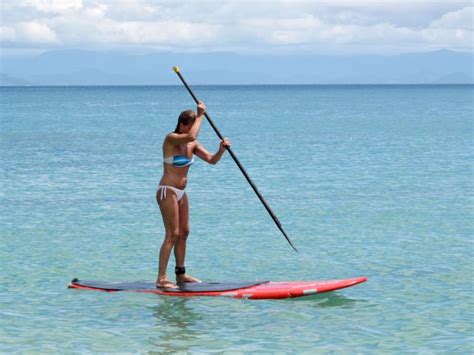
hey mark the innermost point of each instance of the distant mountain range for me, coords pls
(78, 67)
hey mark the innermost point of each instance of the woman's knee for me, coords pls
(172, 236)
(183, 233)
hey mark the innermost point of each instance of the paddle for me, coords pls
(259, 195)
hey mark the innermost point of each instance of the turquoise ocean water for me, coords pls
(367, 180)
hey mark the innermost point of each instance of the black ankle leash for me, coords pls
(179, 270)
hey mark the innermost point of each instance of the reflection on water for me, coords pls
(180, 322)
(328, 299)
(175, 321)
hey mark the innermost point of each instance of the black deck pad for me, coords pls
(185, 287)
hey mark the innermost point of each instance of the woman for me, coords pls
(178, 149)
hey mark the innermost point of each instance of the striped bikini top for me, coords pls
(179, 161)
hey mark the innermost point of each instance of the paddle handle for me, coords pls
(237, 161)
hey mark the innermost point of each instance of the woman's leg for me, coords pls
(180, 246)
(170, 213)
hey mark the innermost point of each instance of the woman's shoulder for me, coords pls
(169, 138)
(171, 134)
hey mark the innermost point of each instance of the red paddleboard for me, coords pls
(248, 290)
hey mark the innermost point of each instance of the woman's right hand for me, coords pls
(201, 108)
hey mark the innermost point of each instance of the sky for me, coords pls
(338, 27)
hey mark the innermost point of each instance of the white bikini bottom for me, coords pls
(179, 193)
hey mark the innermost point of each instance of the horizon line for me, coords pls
(178, 85)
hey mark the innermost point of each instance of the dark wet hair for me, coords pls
(186, 117)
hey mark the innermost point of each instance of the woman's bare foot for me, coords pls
(165, 283)
(184, 278)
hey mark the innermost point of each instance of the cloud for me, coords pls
(51, 6)
(279, 26)
(28, 32)
(460, 19)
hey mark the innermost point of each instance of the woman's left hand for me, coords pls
(225, 143)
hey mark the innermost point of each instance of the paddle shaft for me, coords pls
(232, 154)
